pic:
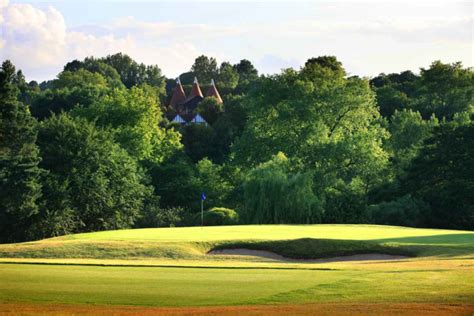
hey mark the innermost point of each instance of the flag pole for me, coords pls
(202, 213)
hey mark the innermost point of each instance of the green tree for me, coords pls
(326, 123)
(246, 70)
(274, 195)
(444, 89)
(443, 177)
(205, 68)
(135, 118)
(81, 87)
(210, 180)
(95, 66)
(19, 172)
(197, 141)
(92, 183)
(247, 75)
(408, 130)
(135, 74)
(210, 109)
(228, 77)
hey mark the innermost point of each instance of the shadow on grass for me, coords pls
(450, 239)
(310, 248)
(439, 245)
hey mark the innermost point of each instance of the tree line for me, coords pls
(94, 149)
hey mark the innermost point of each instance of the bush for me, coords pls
(153, 215)
(217, 216)
(404, 211)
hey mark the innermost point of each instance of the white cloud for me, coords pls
(39, 42)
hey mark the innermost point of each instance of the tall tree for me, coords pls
(408, 130)
(135, 74)
(445, 89)
(228, 77)
(274, 195)
(19, 172)
(443, 177)
(91, 182)
(205, 68)
(326, 123)
(134, 118)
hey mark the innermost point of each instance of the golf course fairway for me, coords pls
(315, 268)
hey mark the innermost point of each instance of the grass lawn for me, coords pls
(159, 267)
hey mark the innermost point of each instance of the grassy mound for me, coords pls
(292, 241)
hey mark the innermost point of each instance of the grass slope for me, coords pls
(293, 241)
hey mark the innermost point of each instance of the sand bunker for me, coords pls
(273, 256)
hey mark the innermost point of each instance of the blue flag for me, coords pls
(203, 196)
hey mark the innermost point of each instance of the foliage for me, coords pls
(197, 141)
(175, 182)
(218, 216)
(404, 211)
(408, 130)
(355, 151)
(135, 74)
(228, 77)
(19, 172)
(443, 177)
(445, 89)
(210, 109)
(69, 90)
(274, 195)
(205, 68)
(92, 183)
(247, 74)
(154, 216)
(134, 118)
(211, 181)
(327, 124)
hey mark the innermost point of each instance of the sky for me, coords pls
(368, 37)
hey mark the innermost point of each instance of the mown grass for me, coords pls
(292, 241)
(198, 287)
(442, 270)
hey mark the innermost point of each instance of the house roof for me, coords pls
(178, 95)
(195, 90)
(212, 92)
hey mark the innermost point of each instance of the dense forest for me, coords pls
(94, 149)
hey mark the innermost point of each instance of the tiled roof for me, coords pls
(212, 92)
(178, 95)
(195, 90)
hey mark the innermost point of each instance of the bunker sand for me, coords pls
(261, 254)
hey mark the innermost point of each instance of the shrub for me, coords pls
(153, 215)
(217, 216)
(404, 211)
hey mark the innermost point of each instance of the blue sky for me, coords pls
(369, 37)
